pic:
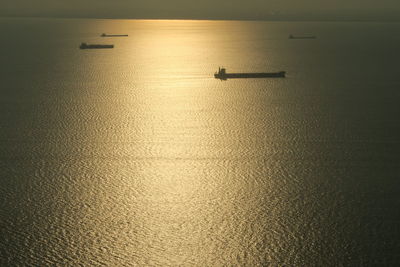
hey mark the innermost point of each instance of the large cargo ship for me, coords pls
(95, 46)
(113, 35)
(223, 75)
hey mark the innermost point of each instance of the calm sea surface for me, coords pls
(137, 156)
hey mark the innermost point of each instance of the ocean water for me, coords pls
(137, 156)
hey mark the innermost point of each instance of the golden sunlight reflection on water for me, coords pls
(185, 145)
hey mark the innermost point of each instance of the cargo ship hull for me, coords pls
(222, 75)
(114, 35)
(95, 46)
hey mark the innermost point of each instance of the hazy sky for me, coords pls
(216, 9)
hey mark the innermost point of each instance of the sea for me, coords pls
(138, 156)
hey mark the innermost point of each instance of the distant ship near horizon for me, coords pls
(114, 35)
(223, 75)
(95, 46)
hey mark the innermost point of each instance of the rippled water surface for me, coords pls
(137, 156)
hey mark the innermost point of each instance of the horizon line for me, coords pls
(205, 19)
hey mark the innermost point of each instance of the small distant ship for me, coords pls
(302, 37)
(113, 35)
(95, 46)
(223, 75)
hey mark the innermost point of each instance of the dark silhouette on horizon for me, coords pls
(114, 35)
(223, 75)
(95, 46)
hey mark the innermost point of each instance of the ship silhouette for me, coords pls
(223, 75)
(95, 46)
